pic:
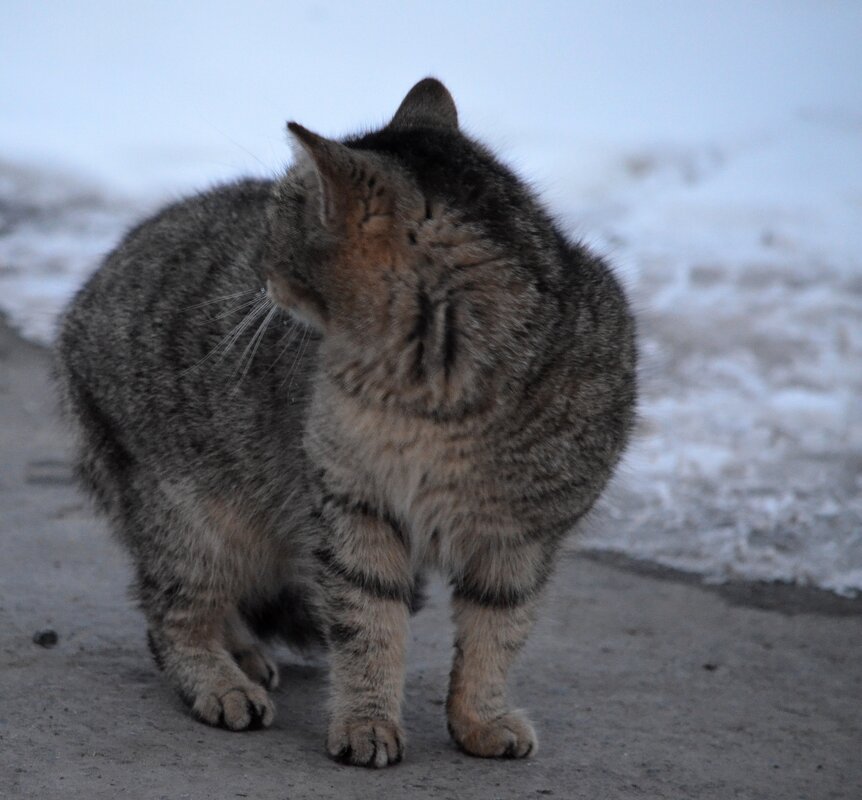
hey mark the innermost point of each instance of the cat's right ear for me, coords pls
(355, 197)
(334, 165)
(427, 105)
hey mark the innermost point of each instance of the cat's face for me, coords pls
(415, 261)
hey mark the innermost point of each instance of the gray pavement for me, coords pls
(641, 682)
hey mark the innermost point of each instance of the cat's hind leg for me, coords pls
(249, 652)
(188, 645)
(190, 574)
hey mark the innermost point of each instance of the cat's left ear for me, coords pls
(427, 105)
(351, 192)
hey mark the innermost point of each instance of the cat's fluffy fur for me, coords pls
(460, 399)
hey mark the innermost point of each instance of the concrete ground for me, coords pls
(642, 683)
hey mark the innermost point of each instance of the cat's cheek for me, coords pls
(304, 308)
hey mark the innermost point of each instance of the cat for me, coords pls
(294, 397)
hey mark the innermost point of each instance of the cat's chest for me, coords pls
(422, 470)
(433, 477)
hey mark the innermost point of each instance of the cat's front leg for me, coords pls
(494, 604)
(367, 584)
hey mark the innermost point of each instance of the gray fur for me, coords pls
(455, 397)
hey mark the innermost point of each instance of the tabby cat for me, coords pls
(294, 397)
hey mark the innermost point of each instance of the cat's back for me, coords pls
(143, 347)
(186, 251)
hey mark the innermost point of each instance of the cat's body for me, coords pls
(467, 395)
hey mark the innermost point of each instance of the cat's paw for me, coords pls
(237, 708)
(366, 743)
(258, 666)
(507, 736)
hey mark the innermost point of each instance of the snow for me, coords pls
(712, 151)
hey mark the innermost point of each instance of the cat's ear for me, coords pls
(427, 105)
(345, 177)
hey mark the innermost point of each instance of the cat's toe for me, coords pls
(239, 708)
(366, 743)
(258, 666)
(507, 736)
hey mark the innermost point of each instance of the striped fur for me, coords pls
(294, 398)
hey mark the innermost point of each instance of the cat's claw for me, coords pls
(507, 736)
(366, 743)
(237, 709)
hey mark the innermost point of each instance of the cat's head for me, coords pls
(422, 260)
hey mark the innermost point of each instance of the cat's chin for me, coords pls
(304, 319)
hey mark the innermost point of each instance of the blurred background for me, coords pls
(713, 152)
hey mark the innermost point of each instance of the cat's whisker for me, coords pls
(230, 311)
(235, 143)
(306, 335)
(247, 320)
(290, 335)
(254, 344)
(224, 298)
(229, 339)
(245, 324)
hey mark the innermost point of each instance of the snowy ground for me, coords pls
(749, 279)
(713, 152)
